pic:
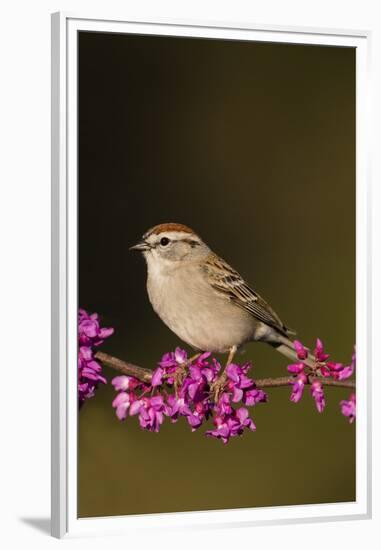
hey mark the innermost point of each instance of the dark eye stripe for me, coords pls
(192, 242)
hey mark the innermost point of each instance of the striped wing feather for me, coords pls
(229, 283)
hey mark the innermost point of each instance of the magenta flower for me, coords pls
(254, 396)
(173, 359)
(296, 368)
(177, 406)
(348, 407)
(197, 383)
(231, 425)
(223, 428)
(318, 394)
(123, 383)
(200, 413)
(319, 354)
(353, 364)
(121, 403)
(337, 371)
(237, 375)
(168, 365)
(298, 388)
(151, 412)
(223, 405)
(245, 421)
(157, 377)
(242, 387)
(345, 372)
(90, 334)
(180, 356)
(89, 330)
(301, 351)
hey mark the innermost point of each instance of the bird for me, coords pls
(204, 300)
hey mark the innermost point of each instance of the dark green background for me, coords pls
(252, 145)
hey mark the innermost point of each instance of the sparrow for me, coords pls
(202, 299)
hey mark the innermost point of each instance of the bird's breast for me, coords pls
(190, 307)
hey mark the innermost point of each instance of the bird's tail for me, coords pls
(285, 346)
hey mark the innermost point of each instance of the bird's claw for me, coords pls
(218, 387)
(179, 376)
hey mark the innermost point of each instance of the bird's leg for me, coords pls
(181, 370)
(219, 384)
(193, 358)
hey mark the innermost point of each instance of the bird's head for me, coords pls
(170, 244)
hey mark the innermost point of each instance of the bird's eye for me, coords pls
(164, 241)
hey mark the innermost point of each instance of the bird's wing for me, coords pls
(229, 284)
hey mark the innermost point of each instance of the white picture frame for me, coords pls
(65, 522)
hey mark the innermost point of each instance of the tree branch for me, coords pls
(145, 375)
(123, 367)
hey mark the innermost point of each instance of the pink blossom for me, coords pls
(318, 395)
(177, 406)
(231, 425)
(298, 388)
(348, 407)
(121, 403)
(296, 368)
(301, 351)
(157, 377)
(90, 335)
(123, 383)
(151, 412)
(319, 352)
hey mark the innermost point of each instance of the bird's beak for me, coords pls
(141, 246)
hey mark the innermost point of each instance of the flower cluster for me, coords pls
(183, 387)
(313, 369)
(90, 335)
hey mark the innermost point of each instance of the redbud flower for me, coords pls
(242, 387)
(245, 420)
(301, 351)
(157, 377)
(348, 407)
(200, 413)
(121, 403)
(296, 368)
(90, 334)
(298, 388)
(89, 330)
(223, 405)
(177, 406)
(318, 394)
(254, 396)
(319, 354)
(230, 425)
(123, 383)
(168, 365)
(151, 412)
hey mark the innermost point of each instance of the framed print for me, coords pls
(211, 274)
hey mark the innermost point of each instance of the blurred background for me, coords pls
(253, 146)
